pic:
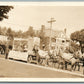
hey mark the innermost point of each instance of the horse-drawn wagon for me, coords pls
(24, 49)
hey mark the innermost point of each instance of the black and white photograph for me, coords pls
(41, 40)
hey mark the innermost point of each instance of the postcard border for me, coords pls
(42, 82)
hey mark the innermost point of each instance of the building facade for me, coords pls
(58, 38)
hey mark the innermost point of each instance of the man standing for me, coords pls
(6, 52)
(36, 49)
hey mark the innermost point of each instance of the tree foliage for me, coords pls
(44, 41)
(78, 36)
(41, 35)
(3, 12)
(31, 31)
(10, 34)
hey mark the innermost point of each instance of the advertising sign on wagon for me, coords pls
(37, 41)
(30, 43)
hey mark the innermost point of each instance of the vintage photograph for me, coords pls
(41, 41)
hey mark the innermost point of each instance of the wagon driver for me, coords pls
(36, 49)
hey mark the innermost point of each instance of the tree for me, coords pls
(37, 33)
(14, 33)
(19, 33)
(42, 32)
(3, 12)
(31, 31)
(43, 40)
(78, 36)
(10, 34)
(10, 38)
(4, 31)
(25, 34)
(9, 31)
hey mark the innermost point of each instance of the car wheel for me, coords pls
(29, 60)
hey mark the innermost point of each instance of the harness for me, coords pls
(71, 58)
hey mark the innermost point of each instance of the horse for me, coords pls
(70, 59)
(44, 57)
(55, 58)
(65, 59)
(79, 56)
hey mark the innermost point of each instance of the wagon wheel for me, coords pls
(50, 62)
(29, 60)
(41, 61)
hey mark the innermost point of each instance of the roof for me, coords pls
(55, 33)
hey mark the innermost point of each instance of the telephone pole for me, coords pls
(51, 21)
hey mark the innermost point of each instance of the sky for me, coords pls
(23, 16)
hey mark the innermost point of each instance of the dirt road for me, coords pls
(14, 69)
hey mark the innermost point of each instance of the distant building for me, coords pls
(55, 33)
(59, 36)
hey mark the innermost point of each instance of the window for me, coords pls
(63, 41)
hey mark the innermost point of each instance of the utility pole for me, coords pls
(51, 21)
